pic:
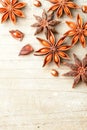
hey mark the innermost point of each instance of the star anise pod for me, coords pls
(78, 31)
(45, 23)
(54, 50)
(61, 6)
(78, 70)
(11, 9)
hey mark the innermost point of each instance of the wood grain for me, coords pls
(30, 98)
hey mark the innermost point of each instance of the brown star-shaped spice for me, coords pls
(11, 9)
(54, 50)
(78, 31)
(45, 23)
(62, 6)
(78, 70)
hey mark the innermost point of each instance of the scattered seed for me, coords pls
(37, 3)
(54, 72)
(17, 34)
(27, 49)
(84, 8)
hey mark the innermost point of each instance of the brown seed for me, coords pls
(27, 49)
(37, 3)
(17, 34)
(84, 8)
(54, 72)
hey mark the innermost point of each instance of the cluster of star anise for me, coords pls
(56, 50)
(53, 50)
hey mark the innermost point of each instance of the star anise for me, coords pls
(45, 23)
(78, 31)
(54, 50)
(78, 70)
(11, 9)
(63, 6)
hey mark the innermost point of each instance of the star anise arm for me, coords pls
(59, 11)
(76, 81)
(54, 22)
(48, 59)
(3, 10)
(50, 16)
(19, 5)
(53, 8)
(71, 66)
(82, 40)
(12, 17)
(38, 30)
(72, 5)
(84, 61)
(18, 13)
(71, 74)
(14, 2)
(51, 37)
(84, 78)
(85, 32)
(77, 60)
(70, 33)
(61, 40)
(35, 25)
(67, 11)
(85, 26)
(75, 39)
(56, 59)
(44, 42)
(38, 18)
(64, 48)
(7, 1)
(4, 17)
(72, 25)
(63, 55)
(79, 21)
(44, 15)
(42, 51)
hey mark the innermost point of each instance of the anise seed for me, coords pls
(17, 34)
(27, 49)
(37, 3)
(54, 72)
(84, 8)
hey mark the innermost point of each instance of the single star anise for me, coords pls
(78, 70)
(62, 6)
(45, 23)
(11, 9)
(54, 50)
(78, 31)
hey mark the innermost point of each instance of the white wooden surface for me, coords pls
(30, 98)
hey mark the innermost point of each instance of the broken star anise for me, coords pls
(45, 23)
(62, 6)
(78, 70)
(78, 31)
(11, 9)
(54, 50)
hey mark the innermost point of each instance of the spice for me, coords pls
(37, 3)
(61, 6)
(11, 9)
(78, 70)
(54, 72)
(84, 8)
(27, 49)
(45, 23)
(17, 34)
(78, 31)
(54, 50)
